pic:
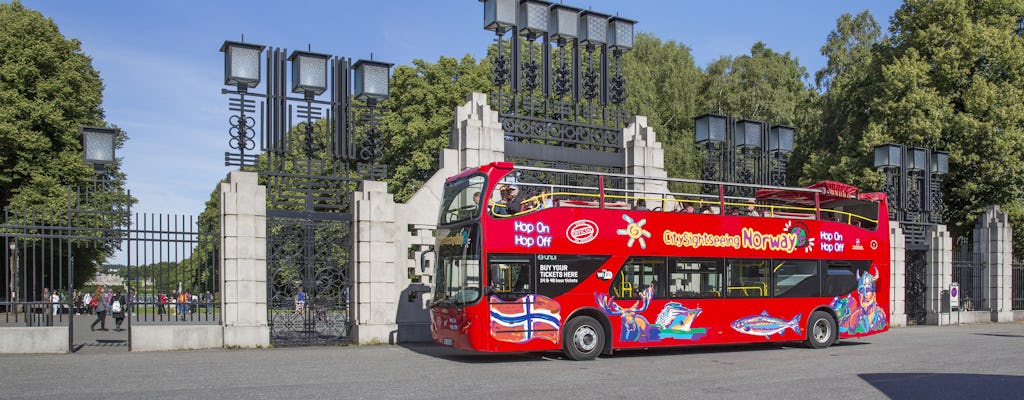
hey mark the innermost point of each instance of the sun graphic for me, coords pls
(635, 231)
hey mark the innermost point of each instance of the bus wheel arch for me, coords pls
(596, 315)
(822, 329)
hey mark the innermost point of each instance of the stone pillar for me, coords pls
(376, 266)
(993, 239)
(939, 275)
(897, 276)
(477, 134)
(646, 157)
(243, 260)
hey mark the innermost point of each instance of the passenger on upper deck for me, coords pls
(706, 209)
(641, 205)
(751, 211)
(513, 203)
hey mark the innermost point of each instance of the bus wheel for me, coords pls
(821, 330)
(582, 338)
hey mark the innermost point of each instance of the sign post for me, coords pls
(954, 299)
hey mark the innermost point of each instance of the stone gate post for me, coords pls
(243, 260)
(938, 275)
(376, 264)
(993, 239)
(645, 157)
(897, 276)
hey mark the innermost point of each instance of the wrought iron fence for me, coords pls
(967, 270)
(1018, 284)
(172, 272)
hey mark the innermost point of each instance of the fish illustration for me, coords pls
(677, 317)
(766, 325)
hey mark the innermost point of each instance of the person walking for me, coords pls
(101, 307)
(117, 308)
(87, 301)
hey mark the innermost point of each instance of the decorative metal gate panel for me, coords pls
(967, 270)
(916, 286)
(309, 278)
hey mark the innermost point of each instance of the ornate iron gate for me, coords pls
(312, 154)
(967, 269)
(916, 286)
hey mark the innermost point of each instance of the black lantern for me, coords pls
(499, 15)
(371, 80)
(241, 64)
(747, 134)
(533, 17)
(309, 72)
(563, 22)
(780, 139)
(940, 162)
(593, 29)
(98, 145)
(888, 156)
(620, 33)
(917, 159)
(709, 128)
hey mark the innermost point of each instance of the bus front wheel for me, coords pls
(821, 330)
(583, 338)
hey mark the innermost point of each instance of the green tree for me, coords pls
(421, 113)
(950, 77)
(662, 83)
(49, 89)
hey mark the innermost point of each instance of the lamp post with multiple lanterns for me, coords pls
(743, 151)
(312, 75)
(913, 176)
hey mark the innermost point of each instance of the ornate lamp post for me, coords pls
(98, 146)
(743, 151)
(913, 176)
(709, 133)
(313, 76)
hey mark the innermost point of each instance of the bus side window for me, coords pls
(841, 278)
(636, 275)
(796, 278)
(510, 277)
(695, 278)
(747, 277)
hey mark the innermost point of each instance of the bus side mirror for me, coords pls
(424, 262)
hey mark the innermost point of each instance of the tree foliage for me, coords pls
(950, 77)
(662, 84)
(422, 111)
(49, 89)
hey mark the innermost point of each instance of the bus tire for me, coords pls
(821, 330)
(582, 338)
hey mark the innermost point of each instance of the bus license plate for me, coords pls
(446, 341)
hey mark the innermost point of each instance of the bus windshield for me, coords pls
(461, 200)
(458, 266)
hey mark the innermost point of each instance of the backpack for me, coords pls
(116, 307)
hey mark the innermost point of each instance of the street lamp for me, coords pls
(241, 64)
(371, 78)
(913, 178)
(309, 73)
(744, 151)
(98, 145)
(780, 146)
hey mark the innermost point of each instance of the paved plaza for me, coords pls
(967, 361)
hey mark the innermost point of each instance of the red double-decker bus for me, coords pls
(534, 259)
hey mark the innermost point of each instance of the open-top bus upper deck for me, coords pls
(528, 258)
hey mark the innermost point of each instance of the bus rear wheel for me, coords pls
(582, 338)
(821, 330)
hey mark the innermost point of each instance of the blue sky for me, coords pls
(163, 73)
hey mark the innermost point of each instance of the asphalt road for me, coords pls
(968, 361)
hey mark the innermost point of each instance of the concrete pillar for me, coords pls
(376, 264)
(243, 260)
(477, 134)
(993, 239)
(646, 157)
(897, 276)
(939, 275)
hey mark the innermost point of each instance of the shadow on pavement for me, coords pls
(1000, 335)
(968, 386)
